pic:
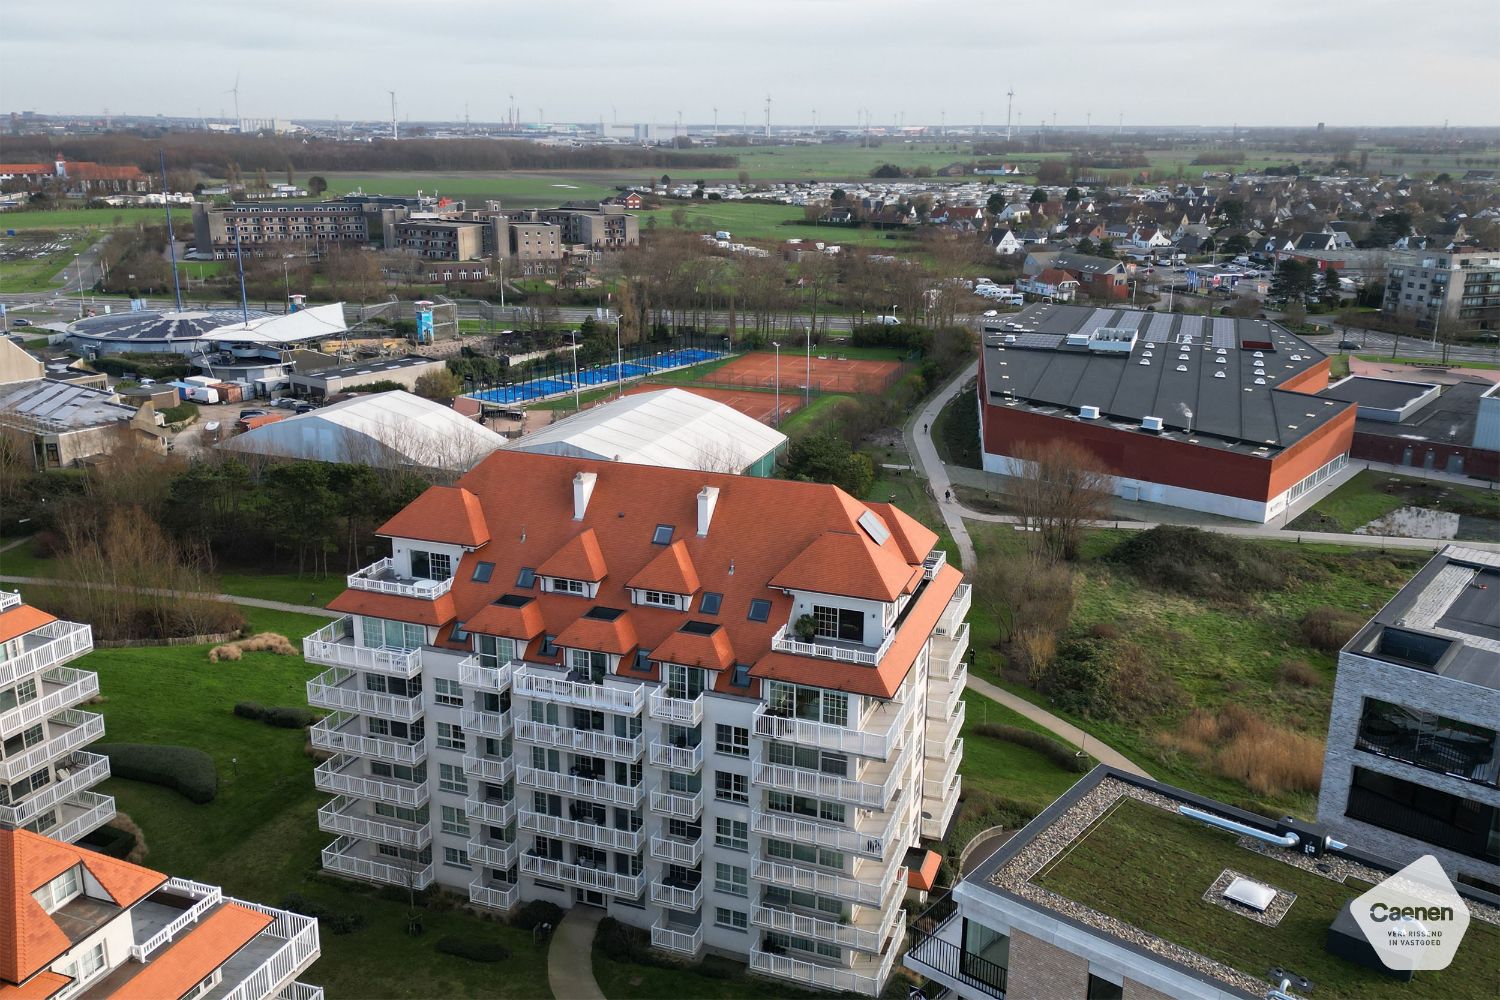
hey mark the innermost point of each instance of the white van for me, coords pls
(887, 321)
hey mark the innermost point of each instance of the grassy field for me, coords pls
(259, 837)
(1428, 362)
(1370, 496)
(1117, 867)
(766, 221)
(90, 218)
(34, 275)
(513, 189)
(1213, 655)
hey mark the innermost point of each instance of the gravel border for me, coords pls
(1270, 916)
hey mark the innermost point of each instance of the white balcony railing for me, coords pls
(496, 769)
(871, 843)
(495, 895)
(83, 728)
(338, 688)
(669, 938)
(957, 609)
(589, 741)
(301, 991)
(51, 645)
(546, 685)
(944, 696)
(339, 775)
(93, 811)
(680, 805)
(851, 890)
(205, 898)
(629, 796)
(584, 876)
(866, 978)
(873, 795)
(948, 653)
(591, 834)
(784, 642)
(689, 759)
(71, 687)
(9, 599)
(942, 734)
(300, 947)
(495, 812)
(865, 935)
(472, 674)
(681, 852)
(875, 738)
(937, 775)
(498, 854)
(351, 816)
(333, 646)
(381, 578)
(934, 563)
(79, 774)
(680, 711)
(338, 857)
(496, 724)
(340, 733)
(677, 897)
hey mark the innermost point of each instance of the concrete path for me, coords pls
(570, 967)
(254, 602)
(918, 434)
(1102, 752)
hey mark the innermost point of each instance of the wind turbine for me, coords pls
(235, 90)
(1010, 100)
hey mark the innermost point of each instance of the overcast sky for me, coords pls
(1174, 62)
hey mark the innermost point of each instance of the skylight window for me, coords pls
(709, 604)
(482, 571)
(526, 579)
(760, 610)
(877, 531)
(741, 676)
(662, 535)
(460, 634)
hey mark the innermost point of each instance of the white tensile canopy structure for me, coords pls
(672, 428)
(385, 429)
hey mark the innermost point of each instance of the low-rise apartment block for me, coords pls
(1413, 759)
(78, 923)
(719, 707)
(594, 225)
(1129, 889)
(1452, 290)
(46, 771)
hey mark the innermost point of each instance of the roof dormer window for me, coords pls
(562, 585)
(61, 890)
(661, 599)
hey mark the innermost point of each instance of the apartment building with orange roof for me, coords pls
(723, 708)
(46, 774)
(74, 922)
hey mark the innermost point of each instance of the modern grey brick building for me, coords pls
(1413, 761)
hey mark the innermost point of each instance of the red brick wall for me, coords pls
(1043, 971)
(1478, 462)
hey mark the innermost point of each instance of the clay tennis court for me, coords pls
(758, 405)
(829, 373)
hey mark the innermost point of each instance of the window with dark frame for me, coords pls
(526, 579)
(662, 535)
(709, 603)
(760, 610)
(483, 571)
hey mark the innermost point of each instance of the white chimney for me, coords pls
(583, 488)
(708, 498)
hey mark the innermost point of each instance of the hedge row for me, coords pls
(183, 769)
(1055, 751)
(110, 840)
(535, 912)
(475, 949)
(333, 921)
(281, 716)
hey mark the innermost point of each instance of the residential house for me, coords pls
(1053, 284)
(1005, 241)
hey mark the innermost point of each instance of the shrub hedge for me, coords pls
(280, 716)
(183, 769)
(111, 841)
(1201, 563)
(472, 947)
(1055, 751)
(333, 921)
(535, 912)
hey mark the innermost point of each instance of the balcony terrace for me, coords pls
(590, 834)
(341, 689)
(472, 674)
(60, 688)
(341, 775)
(381, 578)
(349, 856)
(51, 645)
(495, 812)
(578, 787)
(677, 850)
(593, 742)
(496, 769)
(341, 732)
(686, 896)
(878, 733)
(71, 728)
(674, 758)
(498, 854)
(494, 895)
(546, 684)
(352, 816)
(824, 648)
(583, 876)
(78, 774)
(871, 835)
(485, 723)
(77, 816)
(679, 805)
(869, 931)
(680, 938)
(679, 711)
(333, 645)
(866, 976)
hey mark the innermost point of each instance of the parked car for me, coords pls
(304, 408)
(21, 321)
(1349, 345)
(887, 321)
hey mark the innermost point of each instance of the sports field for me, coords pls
(830, 373)
(757, 404)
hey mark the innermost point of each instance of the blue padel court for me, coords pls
(558, 383)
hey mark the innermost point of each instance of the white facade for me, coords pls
(772, 829)
(46, 772)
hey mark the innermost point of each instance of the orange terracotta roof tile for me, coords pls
(712, 652)
(38, 987)
(417, 610)
(29, 938)
(190, 959)
(22, 619)
(579, 558)
(914, 537)
(523, 622)
(617, 636)
(850, 563)
(442, 514)
(672, 572)
(924, 876)
(883, 680)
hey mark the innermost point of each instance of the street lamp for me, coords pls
(807, 385)
(777, 344)
(619, 359)
(78, 271)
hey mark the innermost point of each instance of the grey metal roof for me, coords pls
(1379, 393)
(155, 325)
(1222, 371)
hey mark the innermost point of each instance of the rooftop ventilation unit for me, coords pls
(1296, 357)
(1078, 340)
(1221, 352)
(1182, 357)
(1088, 413)
(1252, 894)
(1152, 424)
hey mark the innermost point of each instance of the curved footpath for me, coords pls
(570, 965)
(253, 602)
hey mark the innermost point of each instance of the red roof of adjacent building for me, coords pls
(757, 541)
(189, 960)
(417, 610)
(22, 619)
(441, 514)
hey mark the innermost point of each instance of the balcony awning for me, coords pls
(923, 876)
(22, 619)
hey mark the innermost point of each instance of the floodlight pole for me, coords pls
(619, 359)
(171, 237)
(777, 344)
(807, 386)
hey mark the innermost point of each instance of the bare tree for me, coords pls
(1060, 488)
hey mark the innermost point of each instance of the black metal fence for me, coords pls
(945, 958)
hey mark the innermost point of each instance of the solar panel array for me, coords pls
(1190, 330)
(1099, 317)
(1129, 321)
(1156, 330)
(1223, 333)
(1042, 341)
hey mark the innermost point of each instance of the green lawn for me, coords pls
(1371, 495)
(1215, 654)
(811, 415)
(1013, 772)
(88, 218)
(955, 433)
(1150, 868)
(1429, 362)
(513, 189)
(766, 221)
(726, 981)
(259, 837)
(35, 275)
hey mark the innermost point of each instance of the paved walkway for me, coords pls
(570, 967)
(1102, 752)
(254, 602)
